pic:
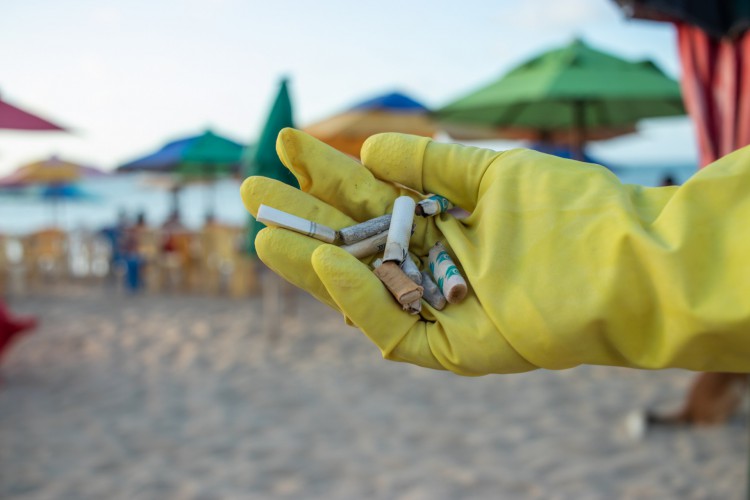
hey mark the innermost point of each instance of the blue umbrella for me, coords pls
(203, 156)
(208, 149)
(60, 193)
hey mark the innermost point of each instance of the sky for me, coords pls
(127, 75)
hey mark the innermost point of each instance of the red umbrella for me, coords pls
(716, 86)
(714, 46)
(14, 118)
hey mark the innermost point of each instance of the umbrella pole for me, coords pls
(578, 132)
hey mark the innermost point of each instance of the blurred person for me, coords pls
(114, 235)
(668, 180)
(566, 265)
(131, 253)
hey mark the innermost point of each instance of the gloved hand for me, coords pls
(565, 264)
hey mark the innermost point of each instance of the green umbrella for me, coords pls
(210, 156)
(201, 157)
(576, 88)
(262, 158)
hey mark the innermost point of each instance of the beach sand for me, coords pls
(185, 397)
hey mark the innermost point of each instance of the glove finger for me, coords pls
(361, 296)
(334, 177)
(263, 190)
(289, 254)
(450, 170)
(285, 252)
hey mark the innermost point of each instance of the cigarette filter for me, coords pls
(399, 231)
(446, 274)
(432, 293)
(409, 267)
(368, 246)
(433, 205)
(273, 217)
(399, 284)
(359, 232)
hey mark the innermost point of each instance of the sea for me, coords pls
(107, 196)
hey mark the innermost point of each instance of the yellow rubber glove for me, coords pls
(565, 264)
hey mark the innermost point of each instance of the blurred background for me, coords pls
(146, 353)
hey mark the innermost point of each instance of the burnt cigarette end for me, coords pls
(433, 205)
(403, 289)
(399, 231)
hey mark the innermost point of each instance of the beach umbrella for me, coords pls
(204, 157)
(393, 112)
(52, 180)
(262, 158)
(575, 88)
(561, 136)
(714, 49)
(717, 18)
(60, 194)
(206, 154)
(50, 171)
(14, 118)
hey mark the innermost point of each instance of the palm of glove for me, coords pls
(470, 338)
(339, 191)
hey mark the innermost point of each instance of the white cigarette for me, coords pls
(368, 246)
(432, 293)
(399, 232)
(358, 232)
(409, 267)
(446, 274)
(273, 217)
(433, 205)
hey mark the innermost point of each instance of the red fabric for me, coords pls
(14, 118)
(12, 327)
(716, 89)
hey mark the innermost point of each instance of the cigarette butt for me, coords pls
(399, 231)
(446, 274)
(409, 267)
(368, 246)
(432, 293)
(273, 217)
(432, 206)
(399, 284)
(414, 307)
(359, 232)
(376, 263)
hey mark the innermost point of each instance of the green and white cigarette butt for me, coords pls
(447, 275)
(433, 205)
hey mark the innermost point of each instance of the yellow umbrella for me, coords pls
(50, 171)
(394, 112)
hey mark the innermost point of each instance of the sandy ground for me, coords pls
(185, 398)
